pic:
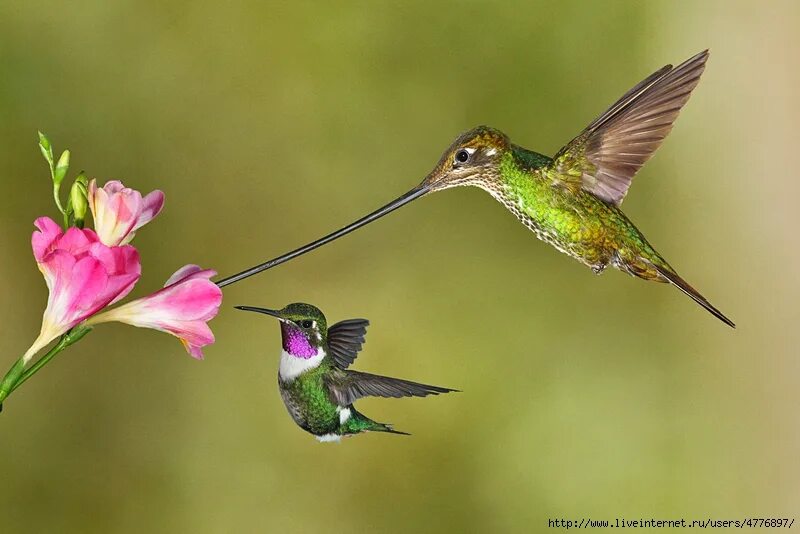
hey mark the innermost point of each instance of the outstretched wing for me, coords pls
(604, 158)
(345, 339)
(345, 387)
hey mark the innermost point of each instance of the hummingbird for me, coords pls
(314, 378)
(571, 200)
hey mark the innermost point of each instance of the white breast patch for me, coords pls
(344, 414)
(329, 438)
(291, 366)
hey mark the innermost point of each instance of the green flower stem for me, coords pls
(16, 376)
(57, 198)
(10, 380)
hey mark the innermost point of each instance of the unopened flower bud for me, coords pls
(47, 149)
(61, 168)
(78, 199)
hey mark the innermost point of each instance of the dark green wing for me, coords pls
(345, 340)
(604, 158)
(345, 387)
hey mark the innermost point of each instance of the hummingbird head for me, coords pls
(303, 328)
(473, 159)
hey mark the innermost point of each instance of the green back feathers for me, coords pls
(528, 159)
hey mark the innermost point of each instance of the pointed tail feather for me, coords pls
(383, 427)
(359, 422)
(680, 283)
(374, 426)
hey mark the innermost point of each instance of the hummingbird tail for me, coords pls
(673, 278)
(388, 428)
(374, 426)
(361, 423)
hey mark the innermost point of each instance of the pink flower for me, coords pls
(119, 211)
(188, 301)
(82, 274)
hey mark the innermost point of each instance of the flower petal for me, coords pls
(82, 274)
(190, 272)
(182, 308)
(41, 241)
(195, 336)
(152, 205)
(122, 213)
(76, 241)
(188, 301)
(57, 270)
(85, 292)
(113, 186)
(119, 211)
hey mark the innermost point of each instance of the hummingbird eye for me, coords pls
(462, 156)
(306, 324)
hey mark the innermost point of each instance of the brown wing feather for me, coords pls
(345, 340)
(345, 387)
(622, 139)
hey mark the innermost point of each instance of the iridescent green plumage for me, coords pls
(577, 223)
(315, 381)
(571, 200)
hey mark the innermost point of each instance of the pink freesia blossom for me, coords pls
(119, 211)
(82, 274)
(182, 308)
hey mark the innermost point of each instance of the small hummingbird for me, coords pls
(572, 200)
(315, 383)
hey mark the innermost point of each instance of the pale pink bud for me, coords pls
(119, 211)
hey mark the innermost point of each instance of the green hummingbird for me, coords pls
(572, 200)
(314, 378)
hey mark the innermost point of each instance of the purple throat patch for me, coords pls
(296, 343)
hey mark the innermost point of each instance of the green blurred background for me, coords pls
(269, 125)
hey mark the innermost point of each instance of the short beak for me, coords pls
(417, 192)
(265, 311)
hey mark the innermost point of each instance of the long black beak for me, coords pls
(265, 311)
(414, 194)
